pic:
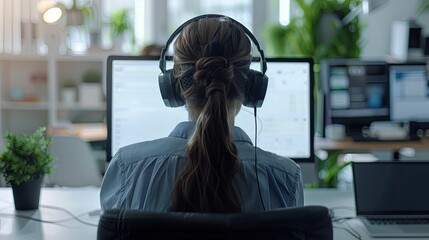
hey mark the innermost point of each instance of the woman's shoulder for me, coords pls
(154, 148)
(269, 160)
(246, 152)
(276, 161)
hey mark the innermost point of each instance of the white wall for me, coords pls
(376, 35)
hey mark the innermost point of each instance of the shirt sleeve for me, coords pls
(299, 192)
(112, 185)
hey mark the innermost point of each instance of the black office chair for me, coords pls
(309, 222)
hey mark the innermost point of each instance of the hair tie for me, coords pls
(215, 48)
(214, 87)
(226, 61)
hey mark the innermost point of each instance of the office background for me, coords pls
(56, 54)
(54, 75)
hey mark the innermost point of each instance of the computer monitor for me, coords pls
(409, 92)
(356, 93)
(136, 112)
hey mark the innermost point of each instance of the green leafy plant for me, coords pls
(319, 33)
(91, 76)
(328, 170)
(120, 22)
(26, 157)
(423, 7)
(69, 83)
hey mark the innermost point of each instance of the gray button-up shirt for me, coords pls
(143, 175)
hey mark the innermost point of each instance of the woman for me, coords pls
(206, 164)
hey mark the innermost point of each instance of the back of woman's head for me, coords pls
(211, 62)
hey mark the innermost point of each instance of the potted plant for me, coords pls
(69, 92)
(90, 91)
(120, 27)
(319, 33)
(24, 162)
(120, 22)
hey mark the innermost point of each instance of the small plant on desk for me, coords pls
(328, 170)
(24, 163)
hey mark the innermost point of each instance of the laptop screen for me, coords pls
(391, 188)
(136, 112)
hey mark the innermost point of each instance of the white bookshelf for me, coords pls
(30, 89)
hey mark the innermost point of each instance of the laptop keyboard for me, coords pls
(386, 221)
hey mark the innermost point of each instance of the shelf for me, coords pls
(79, 107)
(35, 106)
(26, 57)
(89, 57)
(43, 76)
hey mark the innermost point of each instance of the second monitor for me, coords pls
(409, 92)
(356, 93)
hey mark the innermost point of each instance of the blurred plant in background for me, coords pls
(423, 7)
(319, 33)
(322, 31)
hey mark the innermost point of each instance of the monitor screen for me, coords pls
(136, 111)
(409, 93)
(356, 92)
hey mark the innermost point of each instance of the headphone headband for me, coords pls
(254, 90)
(162, 61)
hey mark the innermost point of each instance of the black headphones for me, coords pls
(258, 81)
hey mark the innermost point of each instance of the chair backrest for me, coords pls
(309, 222)
(76, 165)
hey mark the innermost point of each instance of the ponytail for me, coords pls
(206, 184)
(209, 74)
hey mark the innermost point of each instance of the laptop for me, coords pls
(136, 112)
(392, 197)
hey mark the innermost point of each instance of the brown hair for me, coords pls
(211, 61)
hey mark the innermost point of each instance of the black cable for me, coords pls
(337, 219)
(342, 219)
(332, 212)
(256, 158)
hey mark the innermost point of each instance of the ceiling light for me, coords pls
(52, 15)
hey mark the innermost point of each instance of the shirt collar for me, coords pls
(186, 129)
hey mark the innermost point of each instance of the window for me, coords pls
(180, 11)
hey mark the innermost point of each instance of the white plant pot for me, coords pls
(90, 94)
(69, 96)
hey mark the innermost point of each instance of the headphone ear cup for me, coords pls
(256, 90)
(169, 90)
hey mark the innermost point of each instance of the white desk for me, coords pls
(84, 200)
(77, 201)
(342, 204)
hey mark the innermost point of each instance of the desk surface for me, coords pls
(350, 145)
(86, 131)
(79, 201)
(82, 201)
(98, 132)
